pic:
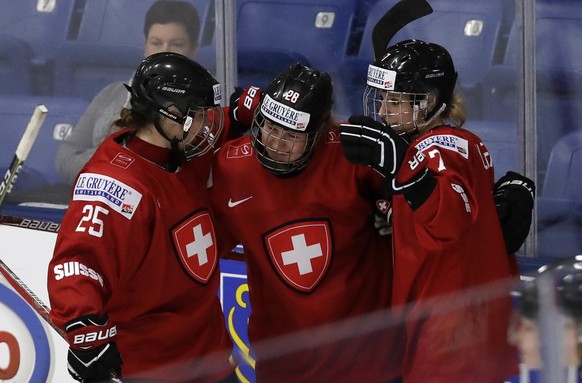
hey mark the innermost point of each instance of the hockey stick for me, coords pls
(22, 150)
(27, 294)
(30, 223)
(404, 12)
(33, 300)
(11, 174)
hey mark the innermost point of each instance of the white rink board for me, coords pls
(27, 253)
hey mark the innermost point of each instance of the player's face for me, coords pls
(571, 337)
(170, 37)
(282, 145)
(524, 334)
(397, 110)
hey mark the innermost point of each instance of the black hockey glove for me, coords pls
(93, 355)
(369, 142)
(242, 106)
(514, 197)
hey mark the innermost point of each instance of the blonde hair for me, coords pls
(456, 111)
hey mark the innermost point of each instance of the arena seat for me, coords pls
(15, 66)
(469, 30)
(558, 76)
(15, 113)
(317, 30)
(43, 25)
(120, 22)
(82, 69)
(500, 139)
(560, 201)
(258, 67)
(107, 46)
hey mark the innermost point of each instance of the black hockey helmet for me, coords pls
(413, 68)
(169, 79)
(299, 101)
(566, 275)
(302, 89)
(421, 67)
(527, 300)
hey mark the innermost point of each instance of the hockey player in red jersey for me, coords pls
(317, 270)
(134, 277)
(452, 271)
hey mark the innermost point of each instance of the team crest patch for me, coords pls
(383, 206)
(195, 243)
(117, 195)
(234, 151)
(301, 253)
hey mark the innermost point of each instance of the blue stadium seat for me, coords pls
(121, 22)
(15, 113)
(560, 202)
(558, 75)
(317, 30)
(43, 25)
(500, 139)
(15, 66)
(82, 69)
(107, 46)
(259, 67)
(469, 30)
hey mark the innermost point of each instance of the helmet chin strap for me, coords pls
(175, 154)
(435, 115)
(420, 128)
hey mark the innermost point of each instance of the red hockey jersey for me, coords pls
(138, 243)
(319, 276)
(452, 270)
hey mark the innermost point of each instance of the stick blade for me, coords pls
(401, 14)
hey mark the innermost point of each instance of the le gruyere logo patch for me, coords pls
(446, 141)
(118, 196)
(284, 115)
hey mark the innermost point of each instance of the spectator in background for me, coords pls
(170, 26)
(565, 276)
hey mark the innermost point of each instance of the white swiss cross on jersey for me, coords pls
(195, 242)
(301, 253)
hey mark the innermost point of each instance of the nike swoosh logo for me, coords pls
(232, 203)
